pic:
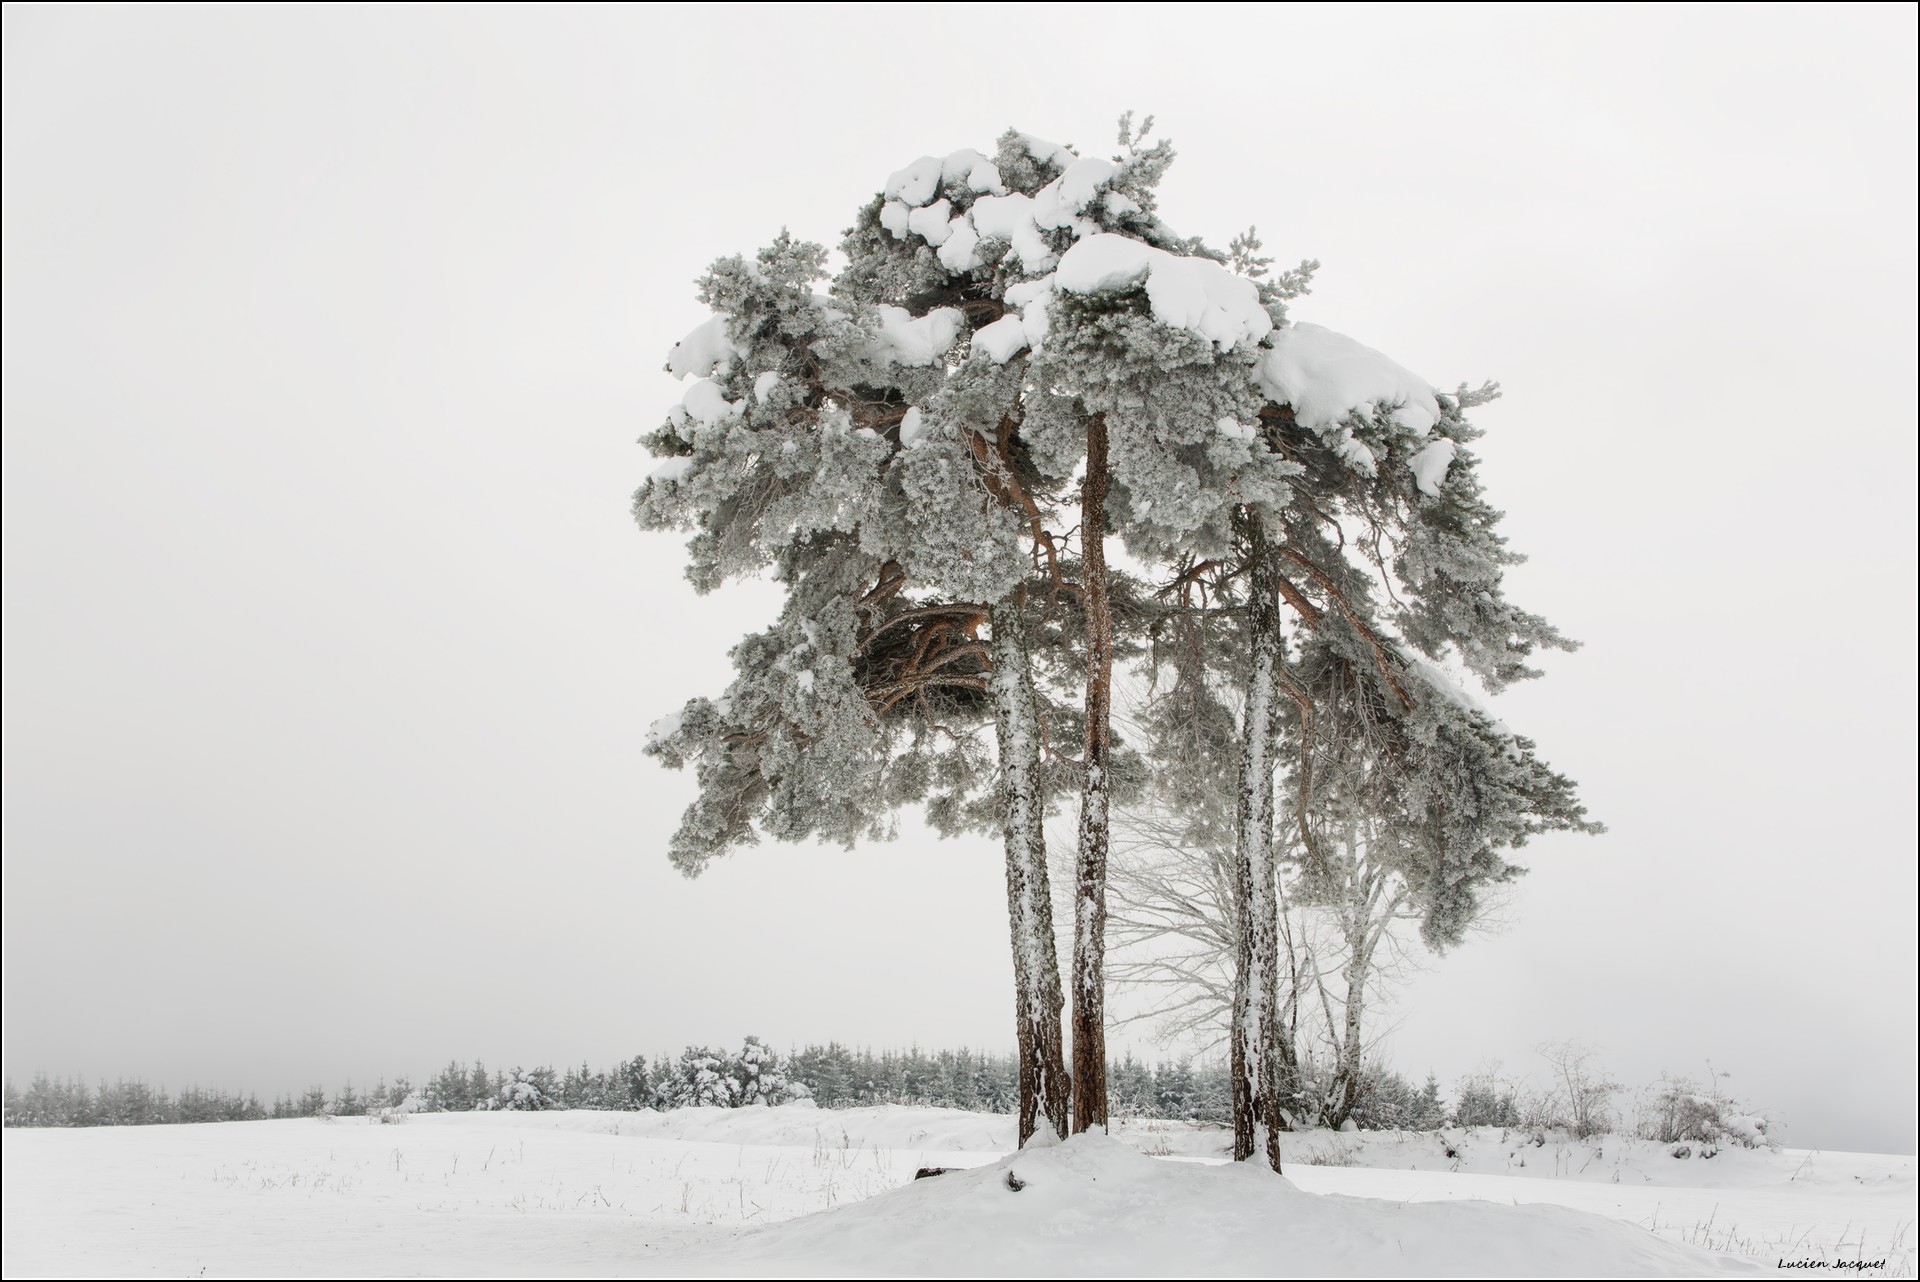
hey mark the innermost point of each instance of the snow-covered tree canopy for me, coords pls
(1427, 797)
(899, 446)
(873, 448)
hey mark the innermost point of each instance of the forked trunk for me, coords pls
(1045, 1091)
(1090, 898)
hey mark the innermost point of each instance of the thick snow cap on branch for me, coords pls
(913, 427)
(669, 472)
(1326, 376)
(1002, 340)
(916, 184)
(707, 405)
(907, 339)
(1003, 218)
(1060, 202)
(1050, 153)
(1015, 219)
(934, 223)
(921, 181)
(706, 349)
(1195, 294)
(1017, 330)
(1430, 465)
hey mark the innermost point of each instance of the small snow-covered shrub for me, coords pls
(1677, 1111)
(394, 1114)
(1748, 1130)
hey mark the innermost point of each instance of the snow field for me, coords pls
(724, 1191)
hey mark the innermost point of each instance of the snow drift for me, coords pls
(1093, 1206)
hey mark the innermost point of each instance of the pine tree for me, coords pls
(934, 357)
(1130, 1084)
(807, 448)
(450, 1091)
(1174, 1090)
(760, 1075)
(1430, 1111)
(1018, 344)
(1379, 501)
(481, 1091)
(633, 1084)
(701, 1077)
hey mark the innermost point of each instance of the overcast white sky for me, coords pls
(329, 644)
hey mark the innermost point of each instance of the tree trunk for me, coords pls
(1286, 1033)
(1286, 1081)
(1255, 1044)
(1090, 900)
(1346, 1078)
(1044, 1089)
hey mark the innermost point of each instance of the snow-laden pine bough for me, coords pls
(1018, 360)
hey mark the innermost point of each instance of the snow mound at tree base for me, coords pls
(1094, 1206)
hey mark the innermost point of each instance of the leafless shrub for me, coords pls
(1580, 1098)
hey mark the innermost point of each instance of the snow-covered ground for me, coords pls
(737, 1191)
